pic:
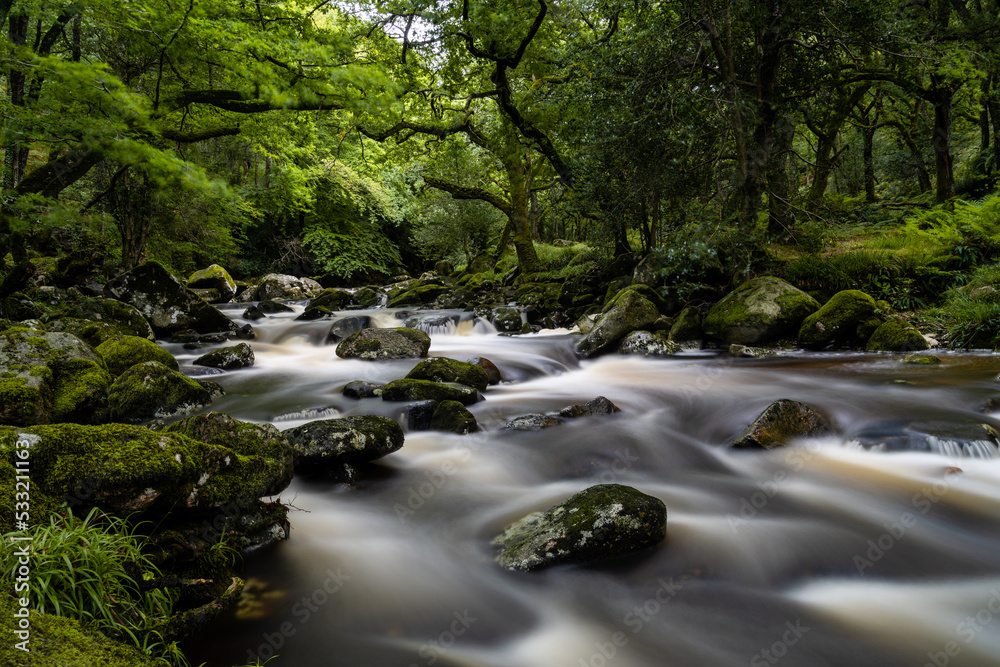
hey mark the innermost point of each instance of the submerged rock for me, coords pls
(271, 307)
(426, 390)
(748, 352)
(593, 407)
(122, 353)
(781, 422)
(151, 390)
(363, 389)
(598, 523)
(228, 358)
(759, 311)
(379, 344)
(328, 444)
(442, 369)
(531, 422)
(837, 321)
(920, 359)
(168, 305)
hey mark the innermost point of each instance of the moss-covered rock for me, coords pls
(837, 321)
(228, 358)
(592, 408)
(379, 344)
(686, 329)
(780, 423)
(56, 641)
(598, 523)
(121, 354)
(123, 469)
(747, 352)
(326, 303)
(426, 390)
(452, 416)
(627, 312)
(126, 319)
(363, 389)
(50, 376)
(897, 335)
(442, 369)
(214, 277)
(151, 390)
(493, 374)
(531, 422)
(664, 305)
(648, 344)
(90, 332)
(165, 302)
(328, 444)
(275, 286)
(267, 462)
(920, 359)
(421, 293)
(759, 311)
(367, 297)
(507, 320)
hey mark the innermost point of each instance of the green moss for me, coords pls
(686, 330)
(425, 390)
(376, 344)
(80, 393)
(420, 295)
(897, 335)
(761, 310)
(122, 353)
(452, 416)
(837, 320)
(61, 642)
(150, 389)
(629, 311)
(442, 369)
(24, 401)
(780, 423)
(228, 358)
(90, 332)
(126, 319)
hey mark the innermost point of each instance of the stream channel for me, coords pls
(877, 547)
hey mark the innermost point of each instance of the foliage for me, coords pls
(93, 570)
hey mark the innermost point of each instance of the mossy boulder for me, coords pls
(50, 376)
(897, 335)
(663, 304)
(759, 311)
(275, 286)
(780, 423)
(367, 297)
(327, 445)
(648, 344)
(426, 390)
(598, 523)
(452, 416)
(837, 321)
(120, 354)
(686, 330)
(90, 332)
(627, 312)
(331, 299)
(493, 374)
(165, 302)
(228, 358)
(379, 344)
(261, 444)
(124, 469)
(507, 320)
(151, 390)
(442, 369)
(214, 278)
(418, 294)
(57, 641)
(125, 318)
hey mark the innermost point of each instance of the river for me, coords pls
(879, 546)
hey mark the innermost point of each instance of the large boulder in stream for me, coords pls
(214, 278)
(228, 358)
(426, 390)
(326, 303)
(326, 445)
(167, 304)
(598, 523)
(759, 311)
(837, 320)
(442, 369)
(452, 416)
(380, 344)
(628, 311)
(125, 319)
(280, 286)
(50, 377)
(780, 423)
(648, 344)
(151, 390)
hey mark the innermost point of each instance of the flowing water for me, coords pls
(879, 546)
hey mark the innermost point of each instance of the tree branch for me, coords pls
(462, 192)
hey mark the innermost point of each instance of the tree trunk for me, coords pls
(944, 161)
(15, 154)
(993, 104)
(868, 155)
(520, 218)
(780, 218)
